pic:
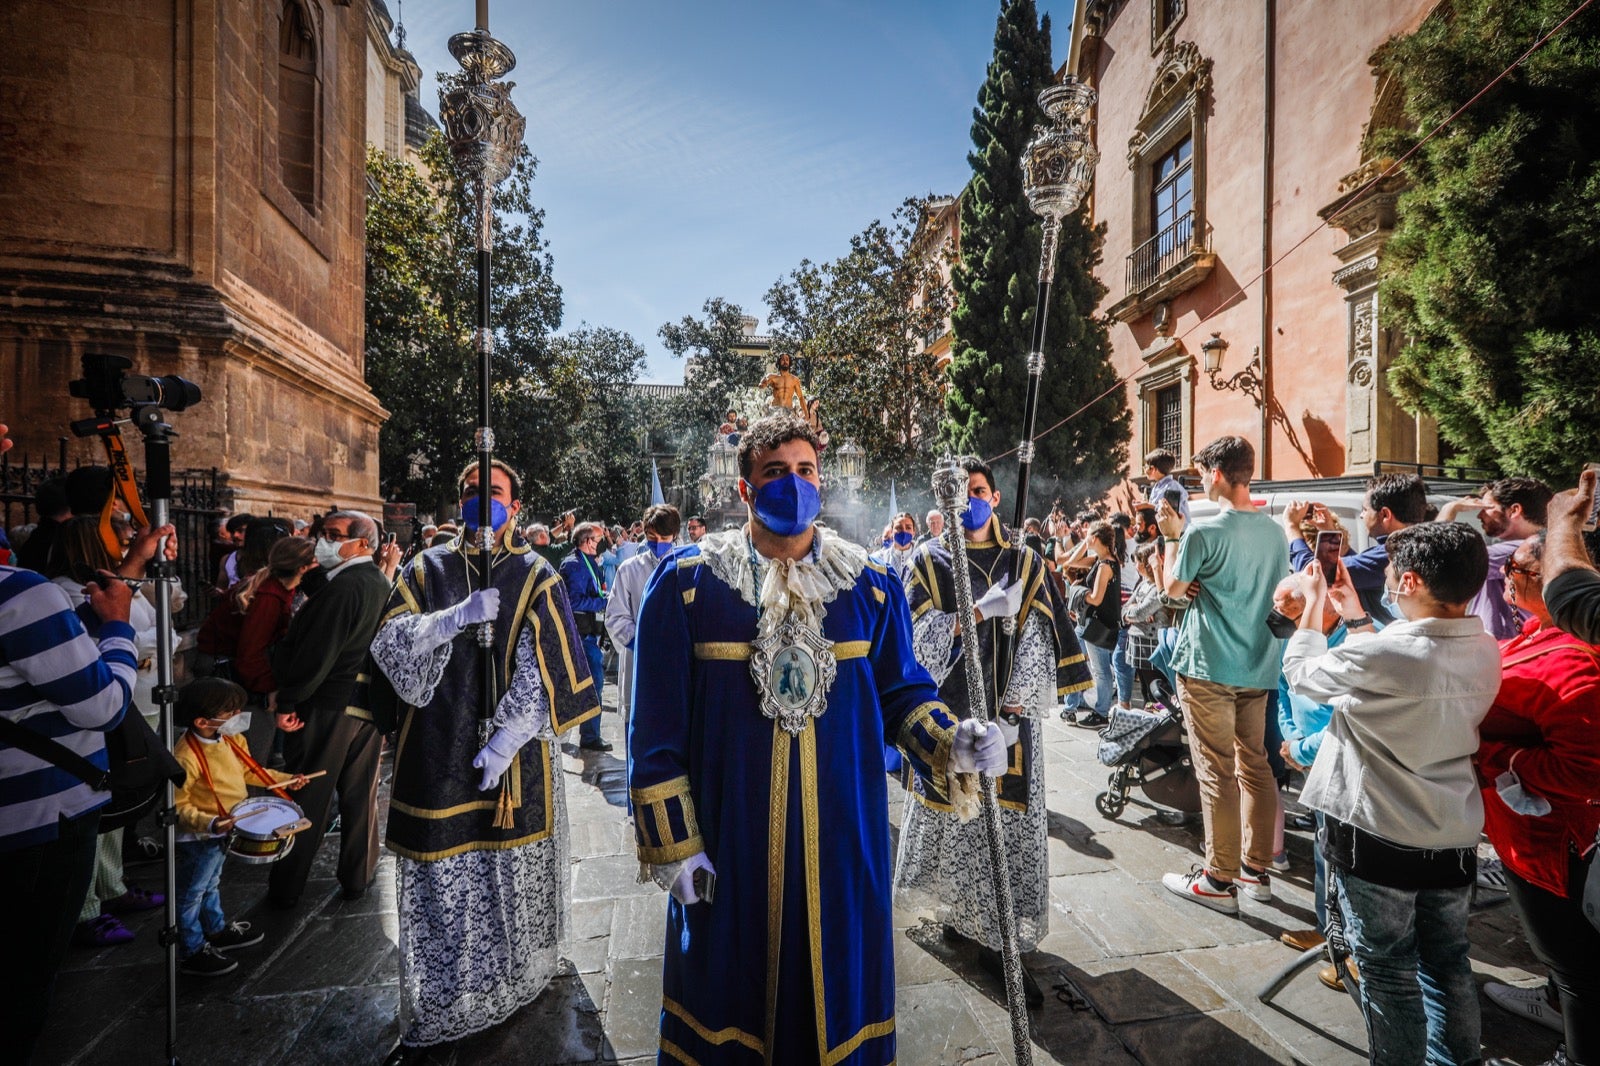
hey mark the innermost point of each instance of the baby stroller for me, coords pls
(1150, 750)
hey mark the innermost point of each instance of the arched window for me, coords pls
(298, 142)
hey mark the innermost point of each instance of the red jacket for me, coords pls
(1547, 715)
(265, 623)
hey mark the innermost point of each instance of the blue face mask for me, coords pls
(903, 539)
(1389, 603)
(469, 513)
(977, 516)
(1528, 804)
(660, 548)
(786, 505)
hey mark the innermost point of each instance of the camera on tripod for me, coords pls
(108, 387)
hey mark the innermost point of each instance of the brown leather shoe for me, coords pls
(1333, 980)
(1302, 939)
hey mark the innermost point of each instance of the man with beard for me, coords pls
(943, 859)
(477, 815)
(774, 661)
(1510, 510)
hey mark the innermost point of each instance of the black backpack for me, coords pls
(138, 760)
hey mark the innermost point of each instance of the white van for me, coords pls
(1344, 496)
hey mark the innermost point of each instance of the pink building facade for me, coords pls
(1235, 187)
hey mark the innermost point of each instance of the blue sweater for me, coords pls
(55, 681)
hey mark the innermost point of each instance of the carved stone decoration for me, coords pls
(1361, 383)
(1184, 69)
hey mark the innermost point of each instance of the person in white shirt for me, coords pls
(1395, 783)
(661, 523)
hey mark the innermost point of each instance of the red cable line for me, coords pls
(1349, 202)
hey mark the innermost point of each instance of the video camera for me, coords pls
(108, 387)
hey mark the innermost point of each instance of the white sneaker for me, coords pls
(1280, 863)
(1256, 886)
(1528, 1003)
(1492, 875)
(1194, 886)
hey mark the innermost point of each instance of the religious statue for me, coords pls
(786, 389)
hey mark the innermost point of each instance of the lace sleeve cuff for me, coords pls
(933, 637)
(401, 651)
(1033, 674)
(524, 710)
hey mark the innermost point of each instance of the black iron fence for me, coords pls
(196, 504)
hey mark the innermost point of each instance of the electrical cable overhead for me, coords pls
(1349, 202)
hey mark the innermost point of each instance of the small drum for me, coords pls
(265, 828)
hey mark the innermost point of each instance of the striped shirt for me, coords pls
(56, 682)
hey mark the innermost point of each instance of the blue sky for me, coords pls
(698, 148)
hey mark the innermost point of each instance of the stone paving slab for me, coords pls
(1130, 972)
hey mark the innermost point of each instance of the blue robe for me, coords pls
(795, 953)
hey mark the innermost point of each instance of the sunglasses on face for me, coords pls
(1513, 568)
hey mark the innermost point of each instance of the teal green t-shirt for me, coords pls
(1238, 557)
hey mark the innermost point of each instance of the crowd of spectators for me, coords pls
(1436, 694)
(1440, 688)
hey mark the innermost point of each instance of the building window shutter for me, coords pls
(297, 103)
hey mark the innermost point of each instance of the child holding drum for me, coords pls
(211, 804)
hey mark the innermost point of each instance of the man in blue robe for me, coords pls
(778, 794)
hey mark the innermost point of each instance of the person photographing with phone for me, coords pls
(1391, 503)
(1571, 583)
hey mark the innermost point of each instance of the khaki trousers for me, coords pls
(1227, 726)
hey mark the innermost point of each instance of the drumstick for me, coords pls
(319, 773)
(251, 811)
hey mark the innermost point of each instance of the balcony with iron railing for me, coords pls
(1172, 261)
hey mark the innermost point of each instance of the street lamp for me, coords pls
(724, 466)
(1247, 381)
(851, 466)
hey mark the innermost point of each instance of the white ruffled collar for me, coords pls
(800, 587)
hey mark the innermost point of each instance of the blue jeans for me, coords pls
(199, 902)
(590, 730)
(1417, 992)
(1124, 668)
(1319, 875)
(1100, 669)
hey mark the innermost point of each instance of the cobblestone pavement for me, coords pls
(1131, 973)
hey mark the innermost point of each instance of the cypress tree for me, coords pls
(995, 285)
(1490, 271)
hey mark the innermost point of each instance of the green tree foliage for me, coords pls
(713, 372)
(857, 324)
(995, 292)
(1490, 271)
(595, 464)
(420, 313)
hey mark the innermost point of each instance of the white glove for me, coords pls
(683, 885)
(481, 606)
(495, 757)
(978, 748)
(1008, 731)
(441, 627)
(1001, 600)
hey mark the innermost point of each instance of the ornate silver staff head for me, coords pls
(1058, 164)
(950, 487)
(481, 124)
